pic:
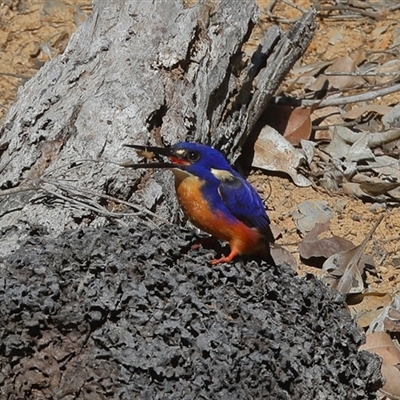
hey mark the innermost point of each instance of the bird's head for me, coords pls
(196, 159)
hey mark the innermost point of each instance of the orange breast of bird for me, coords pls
(242, 239)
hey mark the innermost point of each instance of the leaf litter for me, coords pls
(343, 271)
(350, 156)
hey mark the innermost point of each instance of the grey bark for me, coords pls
(134, 72)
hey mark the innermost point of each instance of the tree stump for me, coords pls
(134, 72)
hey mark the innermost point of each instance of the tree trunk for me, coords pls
(136, 72)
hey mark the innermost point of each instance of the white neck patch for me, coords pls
(222, 174)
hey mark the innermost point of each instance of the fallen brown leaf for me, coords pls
(273, 152)
(392, 321)
(335, 76)
(342, 65)
(282, 256)
(312, 246)
(312, 213)
(391, 387)
(368, 307)
(343, 270)
(380, 343)
(378, 188)
(299, 125)
(388, 320)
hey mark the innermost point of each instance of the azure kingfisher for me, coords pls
(215, 198)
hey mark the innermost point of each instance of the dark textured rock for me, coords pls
(134, 313)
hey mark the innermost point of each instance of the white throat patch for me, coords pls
(180, 175)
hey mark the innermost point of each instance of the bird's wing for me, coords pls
(244, 203)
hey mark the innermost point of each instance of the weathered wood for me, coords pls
(145, 72)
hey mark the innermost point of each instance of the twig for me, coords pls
(39, 184)
(290, 4)
(330, 126)
(344, 284)
(343, 17)
(337, 101)
(273, 17)
(18, 76)
(86, 203)
(79, 191)
(360, 73)
(76, 164)
(32, 185)
(365, 13)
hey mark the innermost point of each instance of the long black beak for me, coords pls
(146, 151)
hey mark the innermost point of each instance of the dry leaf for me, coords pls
(374, 139)
(392, 322)
(389, 318)
(386, 166)
(335, 37)
(328, 116)
(343, 270)
(299, 125)
(341, 65)
(368, 309)
(274, 153)
(278, 116)
(390, 68)
(282, 256)
(353, 189)
(380, 138)
(391, 388)
(380, 343)
(308, 148)
(294, 123)
(311, 246)
(341, 82)
(338, 146)
(311, 213)
(391, 119)
(359, 150)
(276, 230)
(378, 188)
(356, 112)
(312, 69)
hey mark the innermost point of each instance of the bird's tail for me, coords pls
(265, 251)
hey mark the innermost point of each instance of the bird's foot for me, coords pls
(226, 259)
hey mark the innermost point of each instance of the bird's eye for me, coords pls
(193, 155)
